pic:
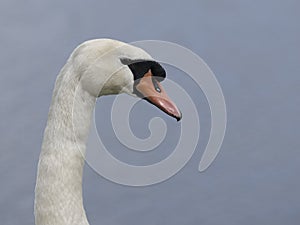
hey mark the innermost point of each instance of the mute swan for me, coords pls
(95, 68)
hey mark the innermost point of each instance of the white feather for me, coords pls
(93, 69)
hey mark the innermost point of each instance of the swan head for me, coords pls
(106, 67)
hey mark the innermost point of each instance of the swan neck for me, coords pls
(58, 193)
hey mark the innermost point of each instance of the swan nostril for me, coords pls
(157, 89)
(155, 84)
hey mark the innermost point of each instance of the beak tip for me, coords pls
(178, 117)
(174, 112)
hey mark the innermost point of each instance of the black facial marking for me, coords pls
(140, 67)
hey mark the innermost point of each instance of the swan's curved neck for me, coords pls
(58, 194)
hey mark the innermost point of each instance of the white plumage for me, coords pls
(93, 69)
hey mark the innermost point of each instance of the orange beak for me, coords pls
(154, 93)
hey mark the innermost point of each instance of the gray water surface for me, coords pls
(252, 47)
